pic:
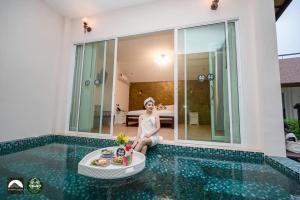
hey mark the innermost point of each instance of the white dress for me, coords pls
(147, 126)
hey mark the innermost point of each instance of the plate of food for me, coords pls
(117, 160)
(100, 162)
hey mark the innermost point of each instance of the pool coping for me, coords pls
(285, 165)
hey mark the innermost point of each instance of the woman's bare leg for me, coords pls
(144, 149)
(139, 146)
(142, 143)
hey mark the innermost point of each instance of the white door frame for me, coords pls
(229, 89)
(175, 71)
(103, 86)
(175, 67)
(113, 109)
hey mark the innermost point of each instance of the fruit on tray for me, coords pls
(100, 162)
(117, 160)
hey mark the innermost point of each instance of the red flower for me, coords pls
(128, 147)
(125, 161)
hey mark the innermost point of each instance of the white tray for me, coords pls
(112, 171)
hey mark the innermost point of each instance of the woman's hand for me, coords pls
(148, 135)
(134, 143)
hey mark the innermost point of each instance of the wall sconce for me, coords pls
(214, 4)
(140, 92)
(86, 27)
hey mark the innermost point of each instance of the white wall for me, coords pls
(64, 77)
(270, 120)
(259, 73)
(30, 38)
(122, 92)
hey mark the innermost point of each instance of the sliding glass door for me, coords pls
(206, 82)
(208, 107)
(92, 87)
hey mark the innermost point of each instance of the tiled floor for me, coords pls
(195, 132)
(201, 132)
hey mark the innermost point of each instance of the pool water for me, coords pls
(164, 177)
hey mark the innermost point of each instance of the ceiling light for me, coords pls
(162, 59)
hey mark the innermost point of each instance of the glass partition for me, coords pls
(93, 75)
(76, 89)
(204, 85)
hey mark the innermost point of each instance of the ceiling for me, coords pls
(82, 8)
(280, 6)
(136, 58)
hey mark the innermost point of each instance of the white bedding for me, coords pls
(164, 113)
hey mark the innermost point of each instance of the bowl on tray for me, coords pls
(107, 153)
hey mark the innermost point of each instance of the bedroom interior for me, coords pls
(144, 68)
(139, 76)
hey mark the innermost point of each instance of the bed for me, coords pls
(166, 116)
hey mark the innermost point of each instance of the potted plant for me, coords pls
(122, 139)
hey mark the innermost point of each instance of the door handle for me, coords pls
(210, 77)
(97, 82)
(87, 83)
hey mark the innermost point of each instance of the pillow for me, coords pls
(169, 107)
(160, 107)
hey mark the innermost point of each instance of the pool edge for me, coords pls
(285, 165)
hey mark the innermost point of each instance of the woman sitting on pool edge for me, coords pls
(149, 125)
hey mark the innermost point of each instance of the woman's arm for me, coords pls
(157, 122)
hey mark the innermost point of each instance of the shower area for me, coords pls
(208, 98)
(92, 87)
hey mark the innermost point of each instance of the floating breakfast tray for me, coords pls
(112, 171)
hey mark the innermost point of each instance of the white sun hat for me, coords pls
(149, 99)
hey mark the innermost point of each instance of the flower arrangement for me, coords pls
(122, 139)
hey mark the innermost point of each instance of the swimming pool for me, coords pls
(169, 174)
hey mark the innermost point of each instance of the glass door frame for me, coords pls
(239, 74)
(175, 71)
